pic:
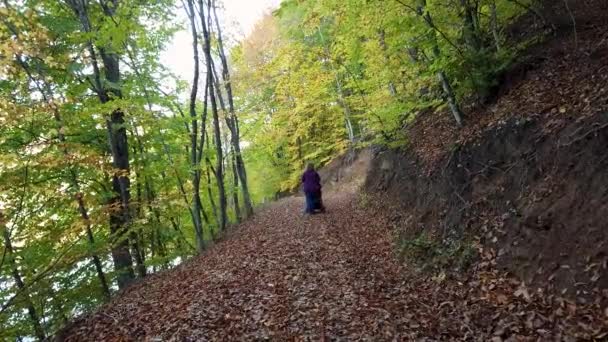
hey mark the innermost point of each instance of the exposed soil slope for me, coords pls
(528, 174)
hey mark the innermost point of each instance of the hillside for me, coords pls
(527, 177)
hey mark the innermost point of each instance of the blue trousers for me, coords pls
(310, 202)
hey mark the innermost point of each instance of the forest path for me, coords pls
(281, 275)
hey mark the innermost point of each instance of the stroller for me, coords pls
(318, 203)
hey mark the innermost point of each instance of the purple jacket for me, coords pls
(311, 181)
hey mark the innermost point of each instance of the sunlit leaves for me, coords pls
(54, 149)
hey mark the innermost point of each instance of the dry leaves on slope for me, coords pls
(334, 276)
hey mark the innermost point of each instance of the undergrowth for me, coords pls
(426, 251)
(430, 254)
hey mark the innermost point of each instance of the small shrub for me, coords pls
(364, 200)
(431, 254)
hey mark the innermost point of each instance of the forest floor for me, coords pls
(333, 276)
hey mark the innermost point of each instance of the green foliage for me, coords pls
(313, 66)
(53, 148)
(431, 254)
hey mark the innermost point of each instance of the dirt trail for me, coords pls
(283, 276)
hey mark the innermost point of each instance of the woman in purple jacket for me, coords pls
(311, 182)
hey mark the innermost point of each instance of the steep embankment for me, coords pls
(528, 176)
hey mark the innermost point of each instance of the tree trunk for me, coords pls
(234, 168)
(96, 261)
(470, 33)
(233, 123)
(536, 12)
(235, 189)
(31, 310)
(347, 114)
(117, 138)
(195, 163)
(449, 95)
(341, 98)
(156, 240)
(209, 193)
(136, 236)
(300, 152)
(494, 24)
(119, 204)
(382, 41)
(219, 171)
(139, 253)
(180, 184)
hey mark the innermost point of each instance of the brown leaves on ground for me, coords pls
(282, 276)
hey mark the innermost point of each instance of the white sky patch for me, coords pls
(240, 17)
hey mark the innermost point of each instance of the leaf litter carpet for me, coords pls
(282, 276)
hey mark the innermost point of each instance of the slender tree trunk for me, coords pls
(229, 122)
(341, 98)
(449, 95)
(195, 164)
(149, 195)
(494, 24)
(347, 113)
(537, 13)
(300, 152)
(138, 194)
(209, 193)
(95, 259)
(573, 19)
(219, 171)
(180, 238)
(31, 310)
(156, 239)
(242, 175)
(139, 253)
(382, 41)
(471, 35)
(201, 147)
(180, 183)
(233, 122)
(135, 236)
(235, 188)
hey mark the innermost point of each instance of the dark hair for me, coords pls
(310, 167)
